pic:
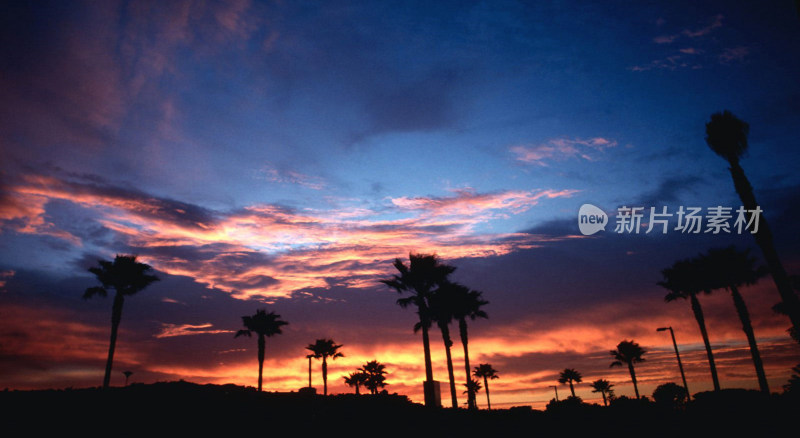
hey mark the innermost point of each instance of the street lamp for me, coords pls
(678, 355)
(556, 388)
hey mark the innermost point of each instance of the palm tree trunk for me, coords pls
(462, 327)
(605, 402)
(358, 392)
(486, 385)
(764, 240)
(261, 348)
(701, 321)
(116, 317)
(633, 378)
(324, 376)
(430, 397)
(747, 326)
(309, 371)
(571, 388)
(447, 344)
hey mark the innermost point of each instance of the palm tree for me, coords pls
(604, 387)
(264, 325)
(441, 305)
(374, 375)
(467, 303)
(473, 386)
(726, 135)
(127, 277)
(730, 268)
(629, 353)
(685, 279)
(325, 348)
(485, 371)
(569, 375)
(424, 273)
(127, 374)
(355, 380)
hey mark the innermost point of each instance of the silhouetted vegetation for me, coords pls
(264, 325)
(726, 135)
(605, 388)
(569, 375)
(126, 277)
(628, 353)
(486, 372)
(325, 348)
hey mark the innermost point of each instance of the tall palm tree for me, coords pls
(355, 380)
(685, 279)
(569, 375)
(374, 375)
(325, 348)
(264, 325)
(486, 372)
(441, 308)
(628, 353)
(604, 387)
(730, 269)
(467, 303)
(420, 277)
(726, 135)
(127, 277)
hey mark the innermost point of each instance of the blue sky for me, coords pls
(281, 150)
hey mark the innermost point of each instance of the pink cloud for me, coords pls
(561, 149)
(172, 330)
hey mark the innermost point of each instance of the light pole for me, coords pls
(678, 355)
(556, 389)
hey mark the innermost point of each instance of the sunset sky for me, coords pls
(281, 155)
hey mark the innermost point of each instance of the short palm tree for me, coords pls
(486, 372)
(730, 268)
(473, 386)
(126, 277)
(685, 279)
(374, 375)
(128, 375)
(420, 277)
(325, 348)
(726, 135)
(604, 387)
(465, 304)
(264, 325)
(569, 375)
(628, 353)
(355, 380)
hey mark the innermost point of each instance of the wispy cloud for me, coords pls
(715, 23)
(285, 176)
(562, 149)
(172, 330)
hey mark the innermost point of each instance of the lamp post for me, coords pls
(678, 355)
(556, 389)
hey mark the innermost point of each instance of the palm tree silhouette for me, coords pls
(325, 348)
(485, 371)
(604, 387)
(465, 304)
(569, 375)
(264, 325)
(685, 279)
(726, 135)
(127, 374)
(355, 380)
(374, 375)
(127, 277)
(473, 386)
(424, 273)
(441, 305)
(629, 353)
(730, 269)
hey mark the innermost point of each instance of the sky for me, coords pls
(281, 155)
